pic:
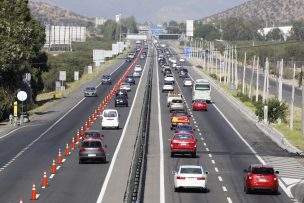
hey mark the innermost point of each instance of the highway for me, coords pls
(228, 143)
(28, 152)
(221, 151)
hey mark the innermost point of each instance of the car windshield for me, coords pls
(111, 114)
(91, 144)
(199, 100)
(90, 88)
(184, 127)
(168, 83)
(106, 76)
(91, 134)
(191, 170)
(179, 114)
(121, 97)
(262, 170)
(183, 137)
(202, 87)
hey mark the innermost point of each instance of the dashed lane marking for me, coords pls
(213, 162)
(216, 169)
(224, 189)
(52, 176)
(210, 155)
(220, 178)
(229, 200)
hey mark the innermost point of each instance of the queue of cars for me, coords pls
(258, 177)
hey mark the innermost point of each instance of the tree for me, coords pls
(297, 31)
(130, 24)
(206, 31)
(275, 35)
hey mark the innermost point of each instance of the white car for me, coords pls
(188, 82)
(174, 65)
(169, 78)
(110, 119)
(138, 68)
(125, 86)
(190, 177)
(168, 86)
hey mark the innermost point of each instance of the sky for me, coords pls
(156, 11)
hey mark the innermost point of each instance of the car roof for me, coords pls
(106, 110)
(190, 166)
(90, 131)
(92, 139)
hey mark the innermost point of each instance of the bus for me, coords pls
(201, 90)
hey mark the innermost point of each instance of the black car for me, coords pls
(167, 71)
(121, 100)
(130, 79)
(183, 73)
(106, 79)
(121, 92)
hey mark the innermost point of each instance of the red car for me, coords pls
(261, 177)
(183, 143)
(198, 105)
(92, 134)
(179, 118)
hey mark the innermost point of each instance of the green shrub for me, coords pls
(213, 75)
(276, 110)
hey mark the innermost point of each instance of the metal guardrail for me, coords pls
(136, 181)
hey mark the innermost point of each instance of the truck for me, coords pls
(201, 90)
(173, 95)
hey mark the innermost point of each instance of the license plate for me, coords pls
(183, 144)
(91, 155)
(263, 180)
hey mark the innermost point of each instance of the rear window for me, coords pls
(183, 137)
(262, 171)
(110, 114)
(177, 101)
(91, 144)
(202, 87)
(184, 127)
(191, 170)
(91, 134)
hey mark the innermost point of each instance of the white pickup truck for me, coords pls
(173, 95)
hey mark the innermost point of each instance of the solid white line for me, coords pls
(229, 200)
(110, 170)
(18, 129)
(224, 189)
(161, 145)
(285, 189)
(220, 178)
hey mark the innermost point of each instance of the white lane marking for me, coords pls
(198, 130)
(47, 130)
(111, 167)
(63, 160)
(229, 200)
(52, 176)
(213, 162)
(216, 169)
(18, 129)
(205, 144)
(224, 189)
(220, 178)
(58, 167)
(210, 155)
(207, 149)
(202, 138)
(194, 121)
(284, 188)
(161, 144)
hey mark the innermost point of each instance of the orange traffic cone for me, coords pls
(34, 193)
(67, 151)
(44, 181)
(59, 157)
(53, 167)
(77, 136)
(73, 143)
(81, 131)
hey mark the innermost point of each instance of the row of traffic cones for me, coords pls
(80, 133)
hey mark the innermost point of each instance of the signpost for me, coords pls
(21, 96)
(62, 77)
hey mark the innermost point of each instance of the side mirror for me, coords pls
(102, 135)
(169, 139)
(206, 172)
(194, 129)
(196, 140)
(189, 116)
(106, 146)
(118, 115)
(245, 170)
(277, 172)
(173, 172)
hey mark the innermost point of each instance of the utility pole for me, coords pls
(216, 63)
(251, 79)
(292, 97)
(244, 74)
(267, 81)
(229, 65)
(236, 79)
(280, 81)
(232, 65)
(264, 87)
(257, 81)
(221, 68)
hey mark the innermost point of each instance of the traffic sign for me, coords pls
(22, 96)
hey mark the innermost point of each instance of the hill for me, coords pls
(271, 12)
(50, 14)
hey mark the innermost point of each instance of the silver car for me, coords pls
(92, 150)
(90, 92)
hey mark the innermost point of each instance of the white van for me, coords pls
(110, 119)
(201, 90)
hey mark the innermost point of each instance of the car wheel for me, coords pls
(176, 189)
(127, 105)
(102, 128)
(105, 160)
(276, 192)
(115, 105)
(246, 190)
(194, 155)
(172, 154)
(117, 127)
(80, 162)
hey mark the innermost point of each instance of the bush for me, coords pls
(213, 75)
(243, 97)
(276, 110)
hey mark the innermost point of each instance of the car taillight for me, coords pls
(250, 177)
(176, 131)
(82, 150)
(275, 178)
(101, 149)
(180, 178)
(201, 178)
